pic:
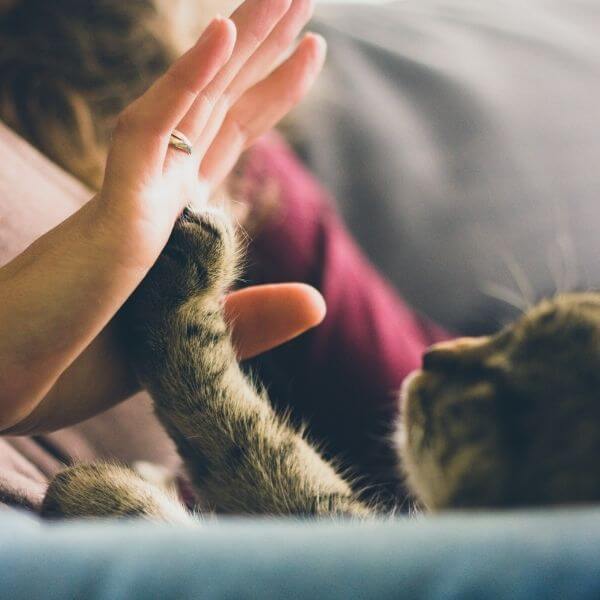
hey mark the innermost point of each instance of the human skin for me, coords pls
(60, 359)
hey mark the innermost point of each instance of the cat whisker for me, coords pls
(555, 271)
(505, 294)
(520, 278)
(567, 256)
(525, 289)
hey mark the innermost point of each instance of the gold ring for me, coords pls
(180, 142)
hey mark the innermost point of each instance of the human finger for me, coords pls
(263, 106)
(263, 317)
(147, 122)
(279, 41)
(254, 20)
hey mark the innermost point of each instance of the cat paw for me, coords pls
(202, 249)
(109, 491)
(198, 262)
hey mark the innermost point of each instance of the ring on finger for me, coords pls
(180, 141)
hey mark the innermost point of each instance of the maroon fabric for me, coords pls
(343, 377)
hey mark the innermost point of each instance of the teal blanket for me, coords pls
(549, 554)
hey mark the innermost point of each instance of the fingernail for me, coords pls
(320, 39)
(210, 30)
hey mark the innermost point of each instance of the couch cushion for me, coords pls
(514, 556)
(461, 140)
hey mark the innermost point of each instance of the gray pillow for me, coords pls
(461, 139)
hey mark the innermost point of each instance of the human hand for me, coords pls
(221, 94)
(58, 297)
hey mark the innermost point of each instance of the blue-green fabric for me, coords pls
(550, 554)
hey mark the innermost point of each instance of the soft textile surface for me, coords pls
(461, 140)
(519, 556)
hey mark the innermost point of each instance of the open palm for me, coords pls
(222, 94)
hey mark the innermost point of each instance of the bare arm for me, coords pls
(55, 298)
(58, 297)
(101, 376)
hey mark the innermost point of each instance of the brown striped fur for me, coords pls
(512, 419)
(242, 457)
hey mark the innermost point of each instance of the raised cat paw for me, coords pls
(198, 260)
(196, 267)
(201, 252)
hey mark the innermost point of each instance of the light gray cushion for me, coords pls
(461, 139)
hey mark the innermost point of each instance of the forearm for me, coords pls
(97, 380)
(55, 299)
(100, 377)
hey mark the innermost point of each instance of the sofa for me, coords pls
(478, 144)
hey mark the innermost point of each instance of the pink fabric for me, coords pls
(343, 377)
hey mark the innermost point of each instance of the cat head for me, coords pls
(511, 419)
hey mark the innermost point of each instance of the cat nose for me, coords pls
(447, 354)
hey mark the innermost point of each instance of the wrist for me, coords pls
(130, 238)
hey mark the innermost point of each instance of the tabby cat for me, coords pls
(512, 419)
(508, 420)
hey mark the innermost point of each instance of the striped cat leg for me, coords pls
(242, 457)
(110, 491)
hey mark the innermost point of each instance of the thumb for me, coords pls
(263, 317)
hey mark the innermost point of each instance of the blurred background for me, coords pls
(461, 140)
